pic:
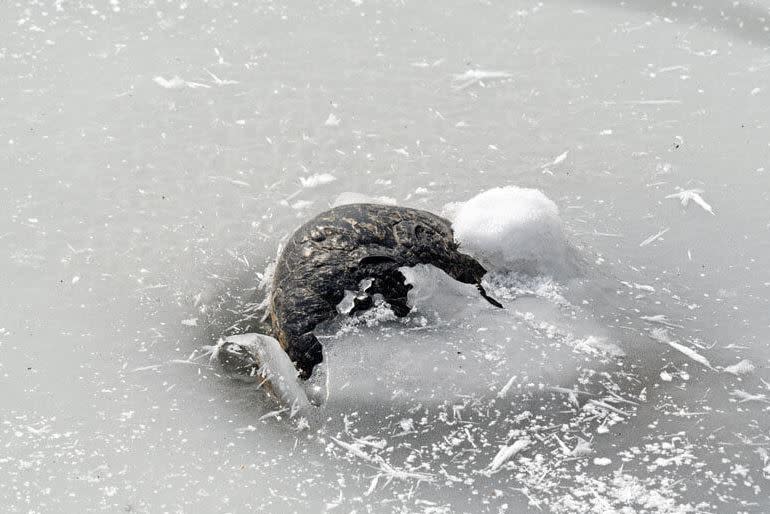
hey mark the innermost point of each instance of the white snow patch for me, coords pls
(513, 229)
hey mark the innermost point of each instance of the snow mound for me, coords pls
(513, 229)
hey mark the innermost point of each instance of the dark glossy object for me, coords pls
(338, 249)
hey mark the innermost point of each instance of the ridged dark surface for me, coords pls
(337, 249)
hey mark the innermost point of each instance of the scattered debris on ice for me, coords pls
(471, 77)
(504, 390)
(600, 345)
(177, 82)
(654, 237)
(744, 367)
(385, 468)
(218, 81)
(664, 101)
(582, 448)
(316, 180)
(505, 454)
(686, 195)
(557, 160)
(660, 319)
(273, 414)
(606, 406)
(744, 396)
(301, 204)
(661, 335)
(425, 64)
(332, 120)
(641, 287)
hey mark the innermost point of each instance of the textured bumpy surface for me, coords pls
(338, 249)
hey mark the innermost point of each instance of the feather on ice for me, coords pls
(661, 335)
(687, 195)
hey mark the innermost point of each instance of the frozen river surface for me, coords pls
(154, 154)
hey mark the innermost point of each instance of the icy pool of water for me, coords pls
(154, 154)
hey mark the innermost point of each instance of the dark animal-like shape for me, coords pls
(338, 249)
